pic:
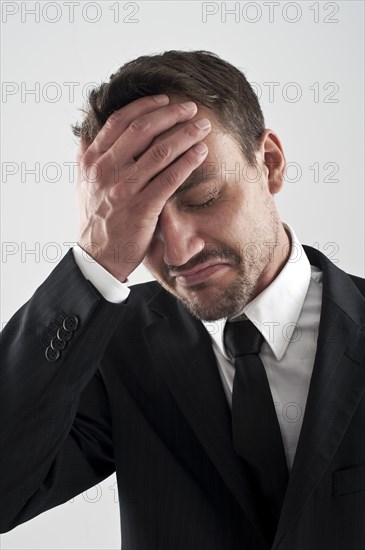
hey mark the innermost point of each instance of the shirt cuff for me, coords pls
(109, 287)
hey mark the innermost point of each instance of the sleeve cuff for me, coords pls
(109, 287)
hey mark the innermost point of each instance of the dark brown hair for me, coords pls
(201, 76)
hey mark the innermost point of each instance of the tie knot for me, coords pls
(242, 338)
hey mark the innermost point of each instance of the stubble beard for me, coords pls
(219, 303)
(209, 302)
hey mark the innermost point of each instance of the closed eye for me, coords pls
(212, 197)
(203, 204)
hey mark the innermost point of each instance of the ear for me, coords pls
(273, 156)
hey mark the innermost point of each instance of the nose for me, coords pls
(179, 235)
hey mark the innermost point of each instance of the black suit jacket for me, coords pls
(137, 390)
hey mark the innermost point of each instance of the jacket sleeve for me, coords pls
(55, 437)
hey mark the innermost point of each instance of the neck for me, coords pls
(277, 261)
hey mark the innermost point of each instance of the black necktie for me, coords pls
(255, 428)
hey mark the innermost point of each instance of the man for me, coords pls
(216, 443)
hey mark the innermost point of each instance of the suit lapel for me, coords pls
(336, 387)
(182, 350)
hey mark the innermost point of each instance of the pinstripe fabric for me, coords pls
(137, 390)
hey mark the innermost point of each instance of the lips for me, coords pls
(200, 273)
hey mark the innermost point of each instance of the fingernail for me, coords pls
(161, 99)
(200, 148)
(189, 106)
(202, 124)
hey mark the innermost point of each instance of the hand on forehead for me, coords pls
(202, 112)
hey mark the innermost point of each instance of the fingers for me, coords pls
(145, 128)
(119, 121)
(160, 189)
(81, 149)
(161, 154)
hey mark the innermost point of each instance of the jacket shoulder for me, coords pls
(141, 294)
(145, 290)
(359, 282)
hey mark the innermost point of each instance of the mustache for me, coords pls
(221, 254)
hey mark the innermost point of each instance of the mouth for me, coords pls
(200, 273)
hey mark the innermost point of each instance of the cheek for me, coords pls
(229, 222)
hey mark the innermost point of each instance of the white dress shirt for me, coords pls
(108, 286)
(286, 312)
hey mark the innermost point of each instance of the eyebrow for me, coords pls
(195, 179)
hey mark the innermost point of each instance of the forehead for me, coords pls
(223, 150)
(202, 112)
(222, 147)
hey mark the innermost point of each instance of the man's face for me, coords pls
(211, 248)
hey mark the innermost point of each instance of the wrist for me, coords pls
(89, 255)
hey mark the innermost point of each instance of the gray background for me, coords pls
(305, 60)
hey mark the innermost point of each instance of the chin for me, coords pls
(212, 308)
(211, 302)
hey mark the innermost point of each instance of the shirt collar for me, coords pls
(276, 310)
